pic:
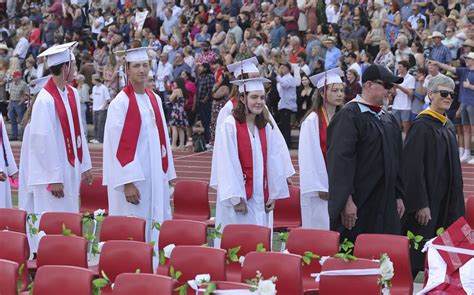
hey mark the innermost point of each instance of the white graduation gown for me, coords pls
(313, 176)
(47, 160)
(145, 171)
(5, 192)
(230, 180)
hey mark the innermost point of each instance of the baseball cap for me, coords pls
(379, 72)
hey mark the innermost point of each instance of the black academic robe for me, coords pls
(364, 156)
(433, 178)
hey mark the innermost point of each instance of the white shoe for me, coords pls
(471, 161)
(94, 141)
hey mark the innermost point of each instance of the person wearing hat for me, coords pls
(16, 106)
(100, 100)
(25, 192)
(437, 23)
(138, 162)
(439, 52)
(451, 41)
(251, 160)
(332, 53)
(431, 169)
(364, 153)
(312, 149)
(57, 151)
(466, 98)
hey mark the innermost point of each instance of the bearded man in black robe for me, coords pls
(364, 158)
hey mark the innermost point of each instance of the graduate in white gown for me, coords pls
(57, 150)
(312, 149)
(251, 171)
(25, 192)
(8, 167)
(138, 164)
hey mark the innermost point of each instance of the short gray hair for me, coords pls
(439, 80)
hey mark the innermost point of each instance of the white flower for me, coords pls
(323, 259)
(241, 260)
(40, 235)
(202, 278)
(99, 246)
(266, 287)
(168, 249)
(99, 212)
(286, 251)
(386, 267)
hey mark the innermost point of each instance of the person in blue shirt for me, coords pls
(332, 54)
(278, 33)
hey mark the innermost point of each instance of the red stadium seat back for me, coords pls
(320, 242)
(194, 260)
(287, 213)
(371, 246)
(142, 284)
(13, 220)
(14, 247)
(470, 211)
(286, 267)
(52, 223)
(247, 236)
(8, 277)
(119, 257)
(191, 200)
(61, 279)
(354, 285)
(62, 250)
(123, 228)
(93, 196)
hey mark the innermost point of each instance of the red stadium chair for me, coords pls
(62, 250)
(14, 247)
(52, 223)
(247, 236)
(354, 285)
(371, 246)
(180, 233)
(320, 242)
(195, 260)
(60, 280)
(143, 284)
(13, 220)
(286, 267)
(119, 257)
(470, 211)
(287, 213)
(191, 200)
(8, 277)
(123, 228)
(93, 196)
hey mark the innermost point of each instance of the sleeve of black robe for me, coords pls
(413, 168)
(341, 160)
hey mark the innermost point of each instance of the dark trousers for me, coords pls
(284, 125)
(99, 124)
(204, 111)
(16, 110)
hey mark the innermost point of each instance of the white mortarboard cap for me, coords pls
(136, 54)
(253, 84)
(329, 77)
(38, 84)
(59, 54)
(244, 66)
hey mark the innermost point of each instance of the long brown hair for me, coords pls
(318, 100)
(240, 114)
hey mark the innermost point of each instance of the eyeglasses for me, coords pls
(385, 85)
(445, 93)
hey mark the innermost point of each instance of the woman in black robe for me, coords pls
(431, 169)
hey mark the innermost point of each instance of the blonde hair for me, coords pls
(14, 64)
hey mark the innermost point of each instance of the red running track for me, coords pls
(197, 166)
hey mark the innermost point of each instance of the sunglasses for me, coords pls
(445, 93)
(385, 85)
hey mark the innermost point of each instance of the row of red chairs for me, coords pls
(54, 249)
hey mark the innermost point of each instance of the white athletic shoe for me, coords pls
(471, 161)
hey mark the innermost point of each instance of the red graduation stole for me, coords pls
(3, 145)
(323, 123)
(62, 114)
(245, 157)
(234, 101)
(131, 129)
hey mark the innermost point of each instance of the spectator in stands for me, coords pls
(201, 37)
(351, 61)
(16, 107)
(180, 66)
(418, 102)
(287, 104)
(29, 73)
(21, 48)
(362, 131)
(403, 96)
(393, 22)
(439, 52)
(290, 17)
(385, 57)
(218, 38)
(191, 103)
(100, 101)
(452, 42)
(406, 10)
(84, 96)
(163, 76)
(352, 85)
(304, 98)
(434, 199)
(437, 23)
(332, 54)
(179, 119)
(235, 29)
(359, 31)
(207, 55)
(374, 37)
(205, 84)
(403, 51)
(416, 16)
